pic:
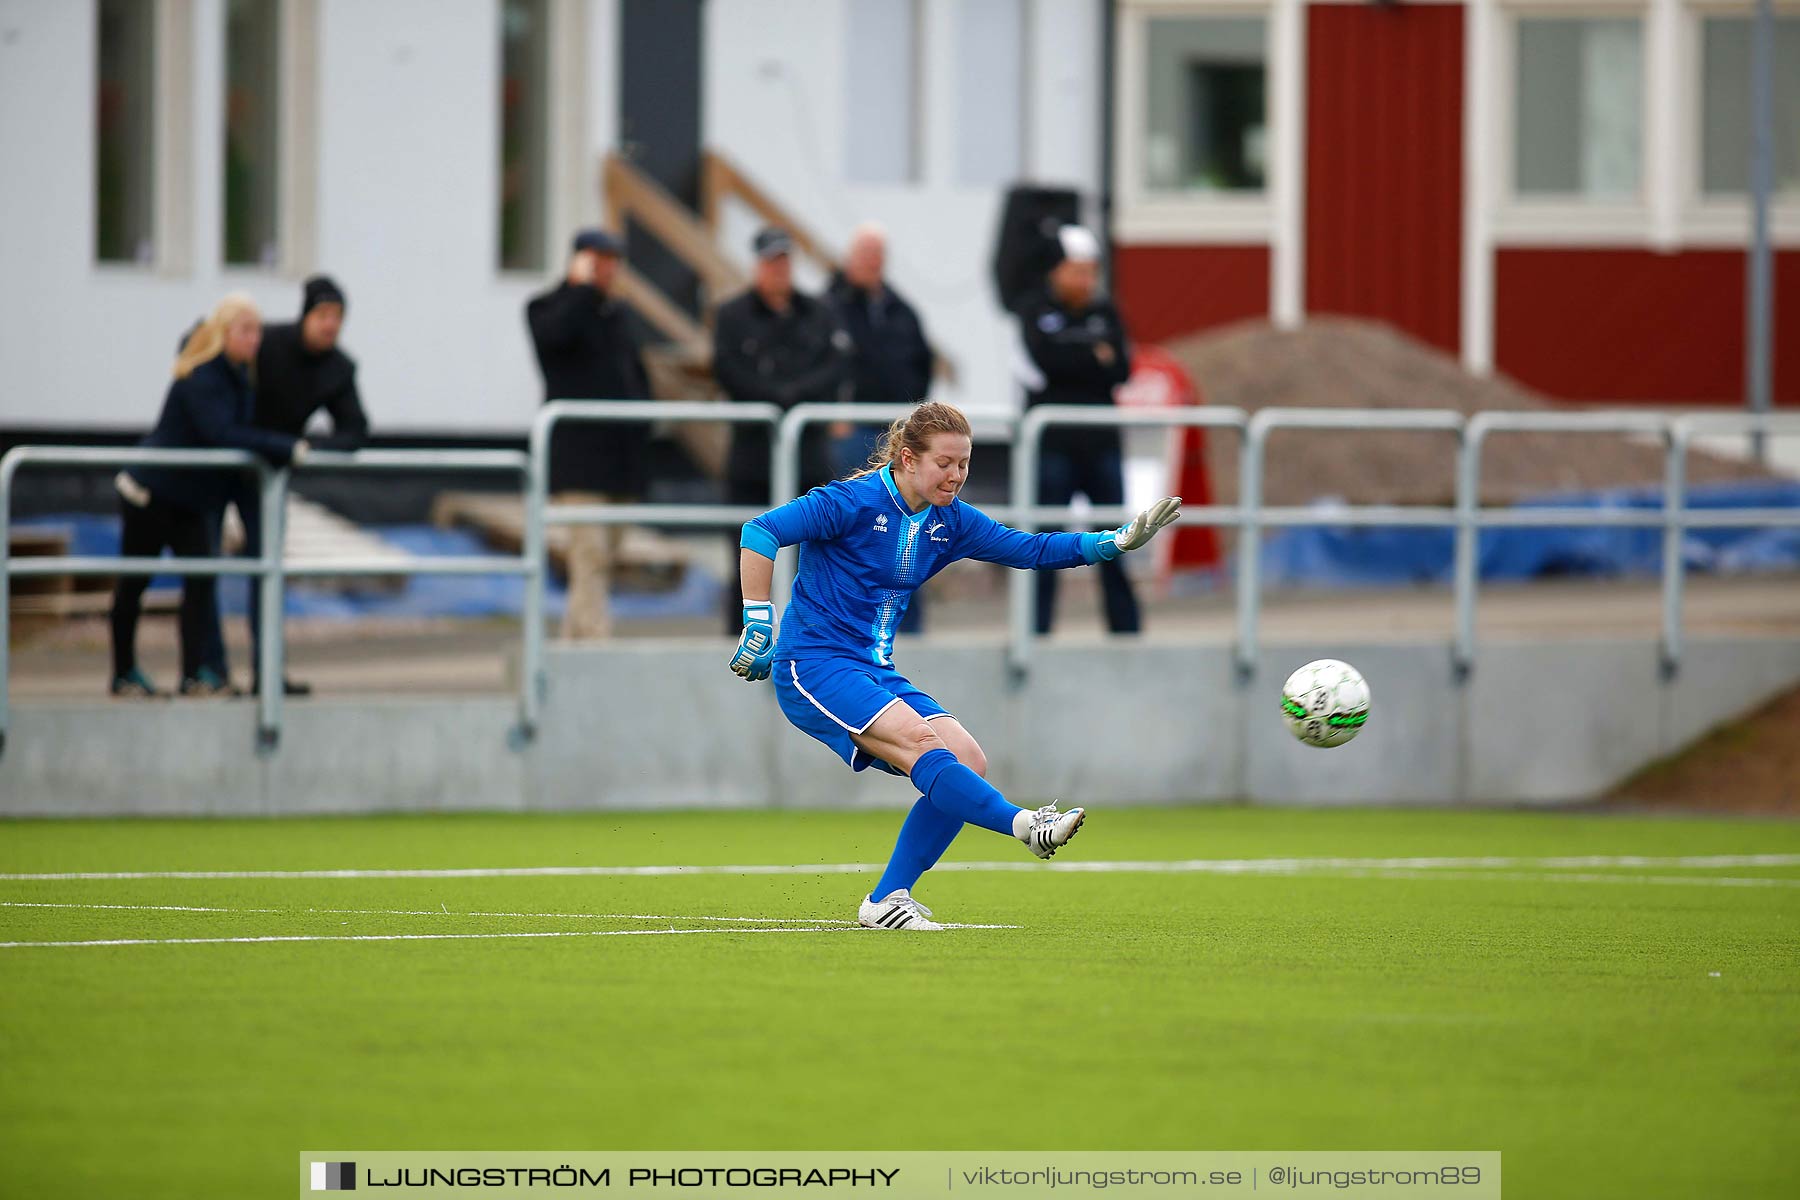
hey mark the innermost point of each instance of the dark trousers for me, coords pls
(145, 533)
(249, 506)
(1091, 466)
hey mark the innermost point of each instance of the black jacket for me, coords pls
(585, 346)
(587, 351)
(800, 356)
(293, 383)
(213, 408)
(1060, 344)
(890, 362)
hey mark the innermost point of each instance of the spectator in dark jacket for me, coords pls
(890, 360)
(210, 405)
(300, 371)
(586, 351)
(775, 345)
(1076, 352)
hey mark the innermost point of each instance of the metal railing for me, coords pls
(1026, 514)
(271, 568)
(1255, 516)
(480, 564)
(266, 568)
(1679, 518)
(540, 513)
(1249, 516)
(1472, 518)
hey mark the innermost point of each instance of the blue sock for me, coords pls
(926, 834)
(960, 792)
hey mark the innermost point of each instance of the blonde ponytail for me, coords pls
(207, 341)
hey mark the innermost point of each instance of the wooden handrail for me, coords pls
(719, 180)
(663, 314)
(630, 194)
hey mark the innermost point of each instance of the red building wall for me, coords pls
(1384, 115)
(1637, 325)
(1164, 292)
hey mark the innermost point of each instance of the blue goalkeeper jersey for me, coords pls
(863, 553)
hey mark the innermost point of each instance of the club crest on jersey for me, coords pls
(932, 531)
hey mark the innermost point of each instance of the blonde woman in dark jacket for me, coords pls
(210, 405)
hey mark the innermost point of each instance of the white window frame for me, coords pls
(1713, 220)
(1142, 215)
(297, 175)
(1670, 211)
(171, 148)
(567, 200)
(1540, 220)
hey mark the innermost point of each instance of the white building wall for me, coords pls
(776, 79)
(406, 195)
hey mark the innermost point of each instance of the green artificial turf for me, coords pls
(1613, 1032)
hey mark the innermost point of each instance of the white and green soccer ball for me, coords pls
(1325, 703)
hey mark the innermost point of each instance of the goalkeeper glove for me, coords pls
(1139, 530)
(755, 654)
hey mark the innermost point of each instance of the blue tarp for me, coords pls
(422, 595)
(1346, 556)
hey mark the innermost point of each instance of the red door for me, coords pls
(1384, 115)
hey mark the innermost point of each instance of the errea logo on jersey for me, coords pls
(881, 524)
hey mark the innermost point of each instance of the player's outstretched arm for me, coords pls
(754, 657)
(1136, 532)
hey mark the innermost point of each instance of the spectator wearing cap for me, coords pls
(300, 371)
(1074, 351)
(587, 351)
(777, 345)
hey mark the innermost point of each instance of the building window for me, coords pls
(125, 180)
(1725, 118)
(252, 131)
(1579, 115)
(990, 79)
(1206, 88)
(882, 91)
(524, 133)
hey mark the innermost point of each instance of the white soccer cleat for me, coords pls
(1049, 830)
(897, 911)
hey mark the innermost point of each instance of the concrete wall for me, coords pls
(652, 725)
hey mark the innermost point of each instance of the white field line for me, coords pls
(424, 912)
(1205, 866)
(407, 937)
(752, 925)
(1742, 881)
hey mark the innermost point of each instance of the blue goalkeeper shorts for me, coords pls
(832, 698)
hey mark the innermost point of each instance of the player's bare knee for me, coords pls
(921, 739)
(971, 757)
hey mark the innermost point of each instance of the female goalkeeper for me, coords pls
(866, 544)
